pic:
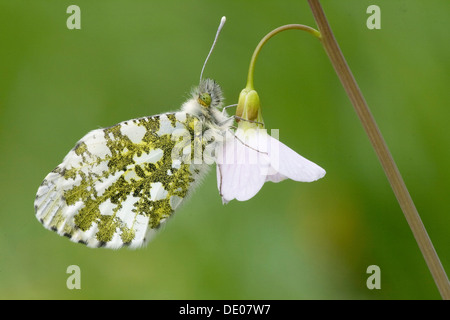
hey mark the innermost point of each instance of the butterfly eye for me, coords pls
(205, 99)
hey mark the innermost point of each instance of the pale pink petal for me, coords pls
(252, 157)
(286, 163)
(240, 168)
(277, 177)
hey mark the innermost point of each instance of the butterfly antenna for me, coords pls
(222, 23)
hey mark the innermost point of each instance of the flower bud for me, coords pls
(249, 107)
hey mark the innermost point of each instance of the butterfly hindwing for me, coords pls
(119, 184)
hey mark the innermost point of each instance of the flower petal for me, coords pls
(251, 157)
(276, 177)
(286, 163)
(241, 168)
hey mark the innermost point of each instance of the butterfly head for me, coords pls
(206, 102)
(209, 94)
(204, 99)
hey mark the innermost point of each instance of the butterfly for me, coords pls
(119, 184)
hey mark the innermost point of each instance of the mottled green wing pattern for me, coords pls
(118, 185)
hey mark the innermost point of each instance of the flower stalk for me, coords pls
(390, 168)
(248, 93)
(264, 40)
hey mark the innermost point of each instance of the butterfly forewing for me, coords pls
(119, 184)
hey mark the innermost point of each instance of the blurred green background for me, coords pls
(291, 241)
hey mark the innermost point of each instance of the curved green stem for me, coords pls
(263, 41)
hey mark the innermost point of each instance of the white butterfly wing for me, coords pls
(120, 184)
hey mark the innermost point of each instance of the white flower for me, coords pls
(251, 157)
